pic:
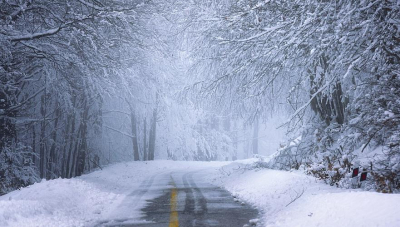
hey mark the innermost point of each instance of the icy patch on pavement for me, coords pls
(294, 199)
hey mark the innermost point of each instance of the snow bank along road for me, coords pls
(167, 193)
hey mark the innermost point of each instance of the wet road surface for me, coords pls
(186, 200)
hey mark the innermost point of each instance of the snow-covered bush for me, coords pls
(16, 168)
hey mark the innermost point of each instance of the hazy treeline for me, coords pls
(58, 60)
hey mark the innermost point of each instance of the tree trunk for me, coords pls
(134, 136)
(71, 140)
(64, 159)
(52, 160)
(235, 142)
(145, 139)
(329, 107)
(34, 144)
(152, 139)
(75, 153)
(42, 147)
(255, 136)
(82, 150)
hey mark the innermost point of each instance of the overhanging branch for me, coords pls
(308, 102)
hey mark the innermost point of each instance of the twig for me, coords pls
(373, 135)
(297, 197)
(116, 130)
(96, 164)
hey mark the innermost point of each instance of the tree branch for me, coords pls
(117, 111)
(35, 35)
(116, 130)
(49, 32)
(308, 102)
(25, 101)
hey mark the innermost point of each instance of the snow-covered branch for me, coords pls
(35, 35)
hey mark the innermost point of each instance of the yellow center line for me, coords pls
(173, 218)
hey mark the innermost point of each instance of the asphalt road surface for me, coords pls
(186, 199)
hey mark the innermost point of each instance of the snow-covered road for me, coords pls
(141, 193)
(186, 198)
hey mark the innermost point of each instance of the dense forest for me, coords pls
(85, 83)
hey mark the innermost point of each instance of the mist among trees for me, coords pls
(85, 83)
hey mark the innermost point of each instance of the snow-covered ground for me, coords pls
(284, 198)
(294, 199)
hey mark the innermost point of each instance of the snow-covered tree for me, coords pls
(334, 64)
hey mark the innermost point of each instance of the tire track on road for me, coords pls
(143, 188)
(189, 200)
(194, 197)
(200, 197)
